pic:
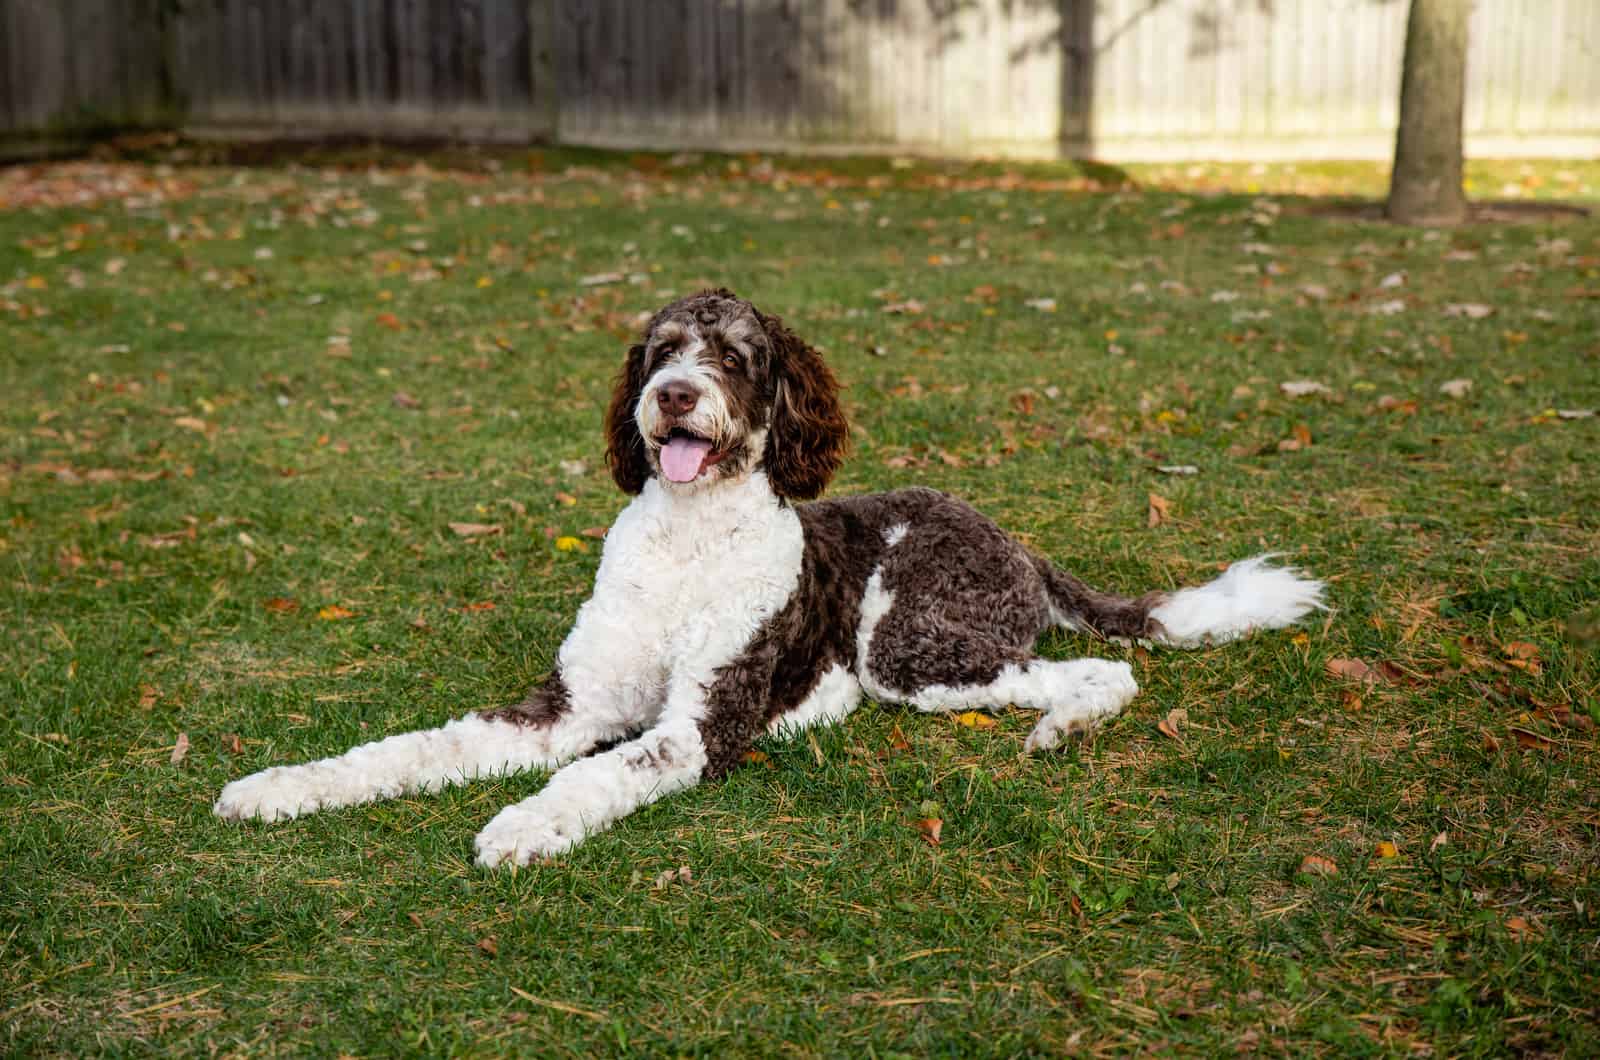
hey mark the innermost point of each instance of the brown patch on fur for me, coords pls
(809, 434)
(1103, 614)
(625, 449)
(542, 707)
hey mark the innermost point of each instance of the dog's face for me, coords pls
(718, 390)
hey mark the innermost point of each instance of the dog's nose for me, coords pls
(677, 399)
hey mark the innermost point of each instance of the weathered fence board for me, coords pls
(1119, 78)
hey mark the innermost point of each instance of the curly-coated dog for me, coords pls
(724, 609)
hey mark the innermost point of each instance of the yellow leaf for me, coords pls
(757, 758)
(1386, 849)
(571, 544)
(974, 720)
(36, 283)
(334, 613)
(485, 281)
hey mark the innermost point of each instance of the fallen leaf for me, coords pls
(281, 605)
(1177, 469)
(910, 307)
(1303, 388)
(405, 401)
(1456, 388)
(390, 321)
(1521, 929)
(594, 531)
(930, 827)
(191, 423)
(600, 279)
(335, 613)
(1529, 740)
(570, 544)
(148, 696)
(1386, 849)
(681, 874)
(973, 719)
(477, 529)
(1575, 414)
(1159, 509)
(1172, 725)
(179, 749)
(1523, 656)
(484, 605)
(231, 741)
(758, 758)
(489, 946)
(1352, 670)
(1043, 305)
(897, 739)
(1470, 310)
(1438, 841)
(566, 499)
(1317, 865)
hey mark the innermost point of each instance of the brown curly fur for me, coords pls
(625, 451)
(809, 435)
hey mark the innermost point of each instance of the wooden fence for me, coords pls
(1121, 79)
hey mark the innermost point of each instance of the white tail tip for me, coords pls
(1248, 596)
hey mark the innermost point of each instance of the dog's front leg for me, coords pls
(543, 731)
(712, 717)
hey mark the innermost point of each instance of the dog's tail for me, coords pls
(1248, 596)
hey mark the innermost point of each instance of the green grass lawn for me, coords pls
(242, 408)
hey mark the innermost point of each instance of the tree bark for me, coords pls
(1426, 186)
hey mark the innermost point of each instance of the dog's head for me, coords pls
(718, 389)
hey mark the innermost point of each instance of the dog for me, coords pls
(725, 609)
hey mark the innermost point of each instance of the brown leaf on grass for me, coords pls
(1353, 670)
(148, 696)
(930, 827)
(404, 400)
(897, 739)
(1521, 930)
(566, 499)
(231, 741)
(682, 874)
(335, 613)
(1529, 740)
(1158, 511)
(281, 605)
(482, 605)
(192, 423)
(973, 719)
(1172, 725)
(476, 529)
(758, 758)
(596, 532)
(1438, 841)
(390, 321)
(179, 749)
(1523, 656)
(1317, 865)
(489, 946)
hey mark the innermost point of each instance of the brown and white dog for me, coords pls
(724, 610)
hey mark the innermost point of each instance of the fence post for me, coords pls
(543, 80)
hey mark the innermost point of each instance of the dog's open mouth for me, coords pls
(685, 455)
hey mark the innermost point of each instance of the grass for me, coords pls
(237, 399)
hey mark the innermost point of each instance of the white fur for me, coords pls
(462, 750)
(1248, 596)
(895, 534)
(837, 694)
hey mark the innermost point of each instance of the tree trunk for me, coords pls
(1426, 186)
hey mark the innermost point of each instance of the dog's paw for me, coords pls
(518, 835)
(277, 794)
(1096, 689)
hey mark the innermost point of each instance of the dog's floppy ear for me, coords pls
(809, 434)
(625, 453)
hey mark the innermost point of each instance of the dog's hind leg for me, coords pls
(913, 657)
(540, 733)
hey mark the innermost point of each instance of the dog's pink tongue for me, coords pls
(682, 458)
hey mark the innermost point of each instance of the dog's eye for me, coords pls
(666, 349)
(730, 360)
